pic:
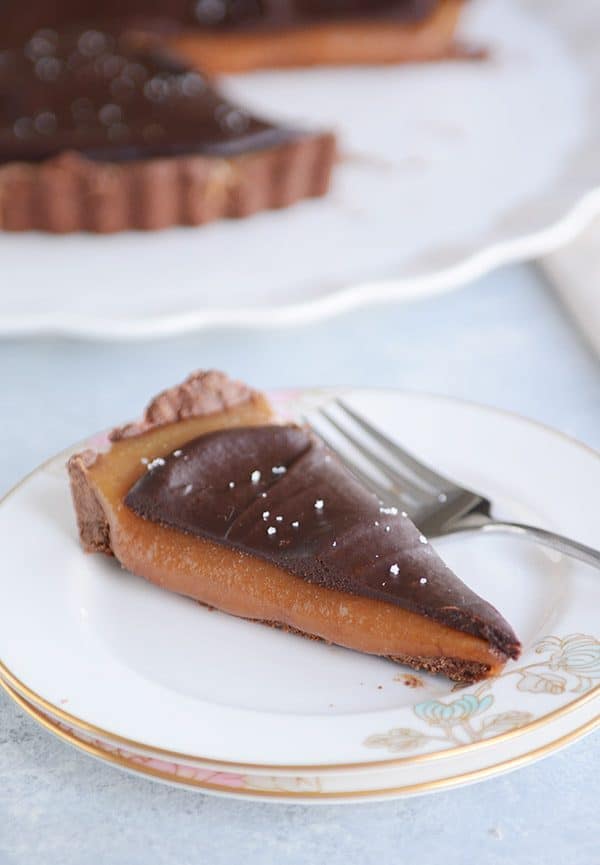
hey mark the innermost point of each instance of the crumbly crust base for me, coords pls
(202, 393)
(70, 193)
(94, 529)
(464, 672)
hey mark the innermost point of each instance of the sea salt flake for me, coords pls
(192, 84)
(156, 89)
(231, 484)
(271, 530)
(392, 511)
(158, 461)
(295, 524)
(319, 505)
(404, 514)
(23, 127)
(279, 518)
(91, 43)
(334, 544)
(279, 470)
(48, 68)
(109, 114)
(394, 570)
(187, 489)
(423, 539)
(177, 453)
(442, 498)
(266, 515)
(45, 122)
(255, 476)
(423, 580)
(376, 522)
(388, 529)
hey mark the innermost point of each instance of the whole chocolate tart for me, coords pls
(210, 495)
(238, 35)
(106, 131)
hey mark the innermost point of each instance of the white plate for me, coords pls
(400, 778)
(453, 169)
(114, 656)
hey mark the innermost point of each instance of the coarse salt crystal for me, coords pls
(319, 505)
(159, 461)
(255, 476)
(394, 570)
(271, 530)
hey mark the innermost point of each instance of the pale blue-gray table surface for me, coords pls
(503, 341)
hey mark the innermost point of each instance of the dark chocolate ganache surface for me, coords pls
(116, 97)
(240, 14)
(17, 17)
(277, 492)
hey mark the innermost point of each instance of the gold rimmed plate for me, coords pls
(326, 787)
(118, 660)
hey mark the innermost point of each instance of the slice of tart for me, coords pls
(106, 131)
(242, 35)
(237, 37)
(210, 496)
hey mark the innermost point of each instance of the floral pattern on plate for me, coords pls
(572, 664)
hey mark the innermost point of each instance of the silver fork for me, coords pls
(437, 505)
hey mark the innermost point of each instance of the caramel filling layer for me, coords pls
(244, 584)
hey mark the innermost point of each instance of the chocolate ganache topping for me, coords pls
(116, 97)
(172, 15)
(277, 492)
(240, 14)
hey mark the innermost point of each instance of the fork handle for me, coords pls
(560, 543)
(541, 536)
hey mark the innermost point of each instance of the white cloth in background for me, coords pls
(574, 272)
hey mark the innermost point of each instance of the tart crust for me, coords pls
(235, 581)
(71, 193)
(202, 394)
